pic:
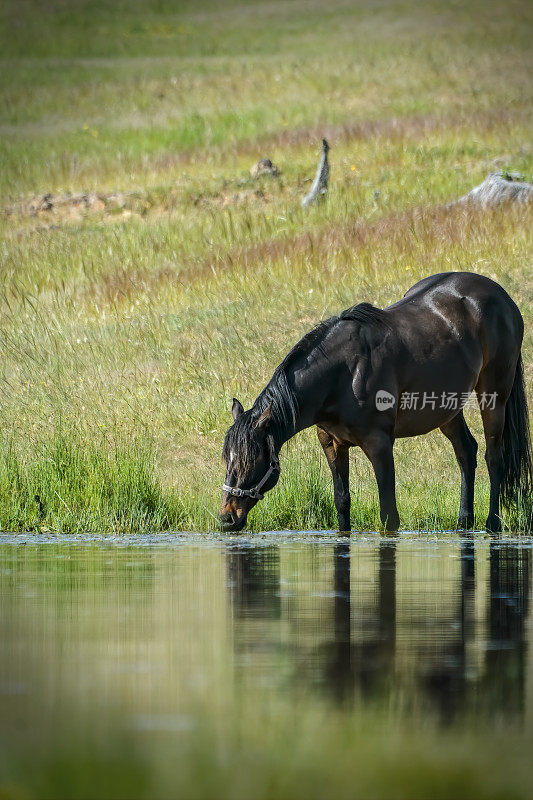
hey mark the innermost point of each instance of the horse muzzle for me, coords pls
(230, 522)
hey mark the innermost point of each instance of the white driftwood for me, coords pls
(499, 188)
(320, 183)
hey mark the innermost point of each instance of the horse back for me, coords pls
(461, 308)
(448, 329)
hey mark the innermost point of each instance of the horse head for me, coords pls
(252, 466)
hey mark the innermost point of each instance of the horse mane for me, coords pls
(240, 439)
(366, 314)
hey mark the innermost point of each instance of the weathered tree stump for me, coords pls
(320, 183)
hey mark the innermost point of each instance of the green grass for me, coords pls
(68, 485)
(138, 322)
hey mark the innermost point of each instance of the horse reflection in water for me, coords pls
(365, 666)
(445, 678)
(498, 685)
(506, 658)
(469, 664)
(254, 580)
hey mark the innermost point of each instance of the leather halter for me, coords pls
(255, 491)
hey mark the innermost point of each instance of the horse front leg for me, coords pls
(339, 464)
(379, 451)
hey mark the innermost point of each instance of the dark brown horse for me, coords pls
(370, 376)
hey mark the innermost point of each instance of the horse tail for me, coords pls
(517, 484)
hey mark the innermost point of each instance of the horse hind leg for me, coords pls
(493, 425)
(492, 393)
(465, 449)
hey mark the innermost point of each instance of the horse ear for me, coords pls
(264, 420)
(236, 409)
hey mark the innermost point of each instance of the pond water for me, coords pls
(154, 665)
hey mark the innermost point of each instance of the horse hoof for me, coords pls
(493, 525)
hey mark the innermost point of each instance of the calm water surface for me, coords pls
(149, 635)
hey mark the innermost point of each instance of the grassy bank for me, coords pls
(65, 484)
(136, 319)
(69, 485)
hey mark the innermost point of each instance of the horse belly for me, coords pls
(434, 396)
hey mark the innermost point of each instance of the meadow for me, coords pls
(131, 316)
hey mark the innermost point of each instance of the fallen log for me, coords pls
(499, 187)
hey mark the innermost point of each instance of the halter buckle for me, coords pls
(254, 492)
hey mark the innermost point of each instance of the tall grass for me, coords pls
(72, 482)
(69, 485)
